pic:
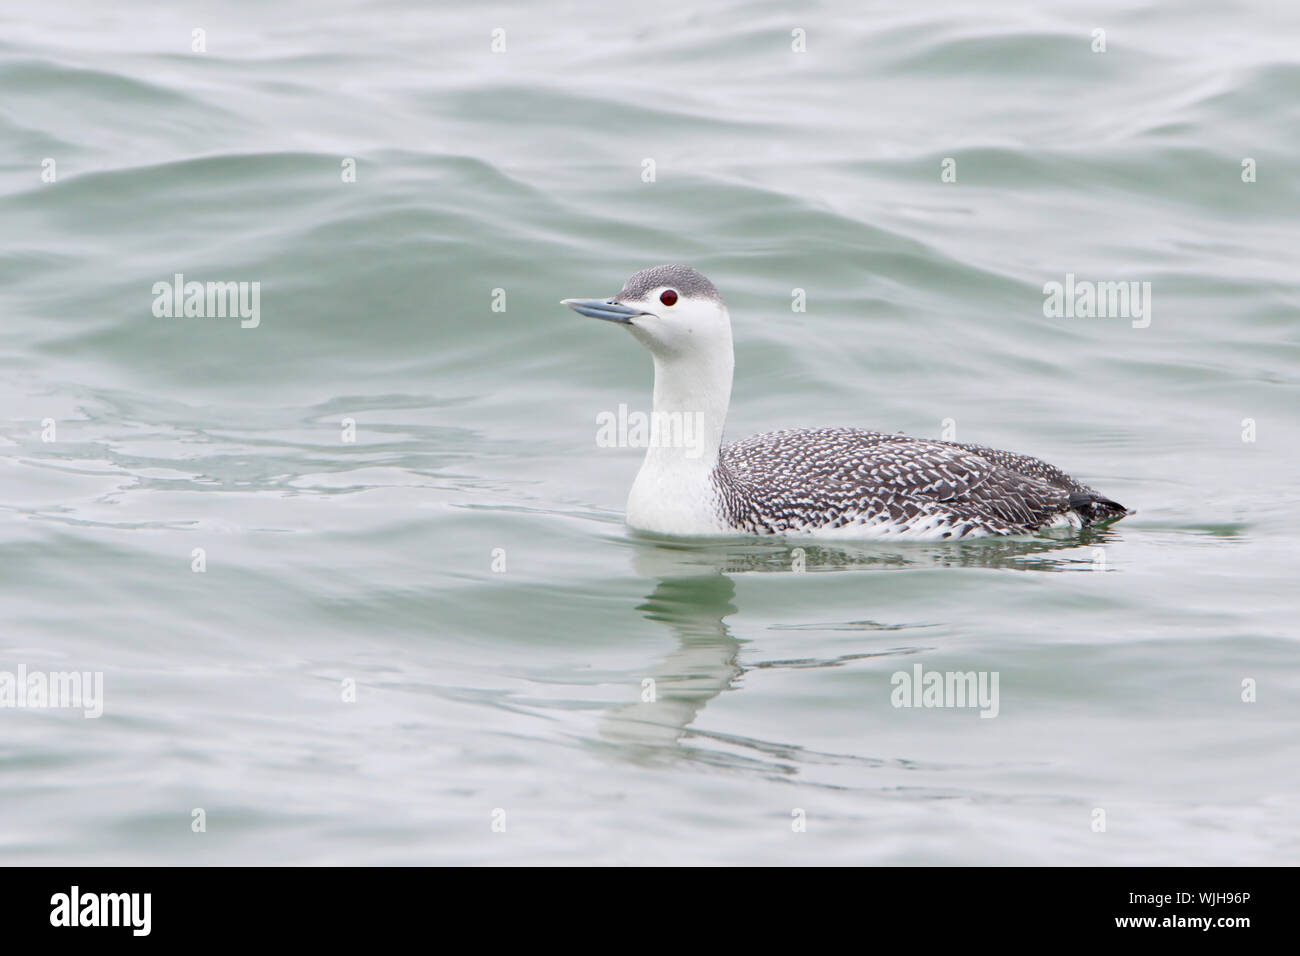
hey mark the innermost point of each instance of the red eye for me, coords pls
(669, 297)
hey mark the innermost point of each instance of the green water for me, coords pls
(463, 561)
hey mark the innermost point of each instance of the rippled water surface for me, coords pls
(463, 563)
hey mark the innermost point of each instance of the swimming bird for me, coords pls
(822, 482)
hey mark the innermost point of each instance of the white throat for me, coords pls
(674, 491)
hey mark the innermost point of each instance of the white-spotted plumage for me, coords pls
(825, 482)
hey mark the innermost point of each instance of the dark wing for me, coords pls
(1023, 464)
(1090, 505)
(830, 477)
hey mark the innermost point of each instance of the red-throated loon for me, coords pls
(826, 482)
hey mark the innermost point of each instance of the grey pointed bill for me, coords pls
(606, 309)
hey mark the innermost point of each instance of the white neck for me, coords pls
(673, 492)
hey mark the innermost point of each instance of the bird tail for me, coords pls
(1093, 508)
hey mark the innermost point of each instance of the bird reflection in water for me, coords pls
(695, 593)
